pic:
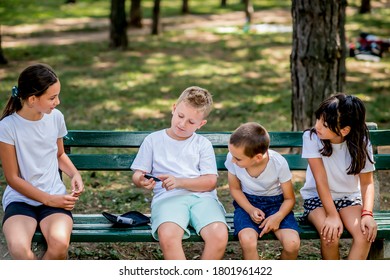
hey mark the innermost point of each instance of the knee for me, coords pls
(218, 236)
(247, 239)
(57, 247)
(169, 236)
(361, 240)
(330, 245)
(20, 250)
(292, 246)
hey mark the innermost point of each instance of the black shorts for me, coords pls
(37, 212)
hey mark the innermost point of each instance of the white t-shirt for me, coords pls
(268, 182)
(160, 154)
(36, 151)
(340, 183)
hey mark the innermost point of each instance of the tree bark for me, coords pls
(365, 7)
(118, 24)
(3, 60)
(223, 3)
(185, 8)
(317, 57)
(156, 24)
(135, 14)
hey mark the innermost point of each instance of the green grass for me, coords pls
(14, 12)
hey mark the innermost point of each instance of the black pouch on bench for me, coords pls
(129, 219)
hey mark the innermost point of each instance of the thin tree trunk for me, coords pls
(365, 7)
(135, 14)
(185, 8)
(3, 60)
(317, 58)
(118, 24)
(156, 24)
(223, 3)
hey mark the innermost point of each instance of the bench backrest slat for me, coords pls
(133, 139)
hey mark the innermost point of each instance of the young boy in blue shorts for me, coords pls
(185, 164)
(260, 184)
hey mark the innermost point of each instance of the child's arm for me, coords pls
(368, 224)
(236, 192)
(203, 183)
(272, 222)
(333, 225)
(67, 166)
(11, 172)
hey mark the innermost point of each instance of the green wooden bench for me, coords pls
(96, 228)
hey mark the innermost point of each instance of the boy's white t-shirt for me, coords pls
(340, 183)
(160, 154)
(36, 151)
(268, 182)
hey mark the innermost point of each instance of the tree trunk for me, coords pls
(3, 60)
(365, 7)
(156, 24)
(185, 8)
(118, 24)
(223, 3)
(317, 57)
(135, 14)
(248, 10)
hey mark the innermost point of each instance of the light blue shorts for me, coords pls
(185, 211)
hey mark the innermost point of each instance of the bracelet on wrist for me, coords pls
(367, 214)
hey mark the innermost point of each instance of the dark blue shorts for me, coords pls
(269, 205)
(37, 212)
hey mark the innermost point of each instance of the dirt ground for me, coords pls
(17, 36)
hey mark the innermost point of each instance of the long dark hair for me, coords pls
(34, 80)
(338, 112)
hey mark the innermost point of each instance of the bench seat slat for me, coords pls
(96, 228)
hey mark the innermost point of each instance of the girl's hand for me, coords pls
(66, 201)
(369, 227)
(332, 229)
(77, 185)
(169, 182)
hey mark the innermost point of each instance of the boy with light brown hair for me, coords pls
(185, 189)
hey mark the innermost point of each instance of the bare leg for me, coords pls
(57, 229)
(351, 217)
(18, 231)
(329, 250)
(170, 237)
(248, 240)
(215, 236)
(290, 241)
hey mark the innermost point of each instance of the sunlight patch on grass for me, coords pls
(113, 105)
(103, 65)
(259, 99)
(163, 102)
(80, 82)
(146, 112)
